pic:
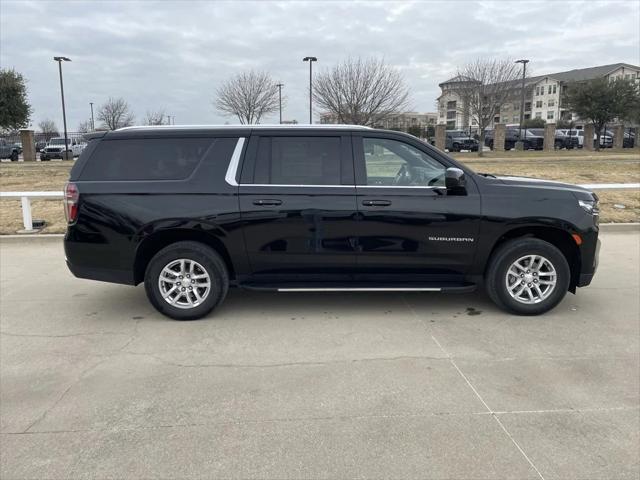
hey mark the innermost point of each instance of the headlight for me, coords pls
(590, 206)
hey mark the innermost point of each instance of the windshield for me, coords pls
(458, 134)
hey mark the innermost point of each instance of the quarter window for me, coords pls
(394, 163)
(150, 158)
(298, 161)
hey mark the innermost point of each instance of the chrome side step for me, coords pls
(361, 289)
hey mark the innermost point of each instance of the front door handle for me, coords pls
(376, 203)
(270, 202)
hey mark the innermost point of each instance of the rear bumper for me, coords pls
(101, 274)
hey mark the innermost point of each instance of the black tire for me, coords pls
(506, 255)
(14, 156)
(203, 255)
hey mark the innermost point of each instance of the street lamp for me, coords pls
(280, 85)
(64, 113)
(93, 123)
(524, 74)
(310, 60)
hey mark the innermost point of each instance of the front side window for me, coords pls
(397, 164)
(298, 161)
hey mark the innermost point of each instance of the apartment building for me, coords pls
(401, 121)
(543, 96)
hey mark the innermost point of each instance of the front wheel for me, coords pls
(186, 280)
(528, 276)
(14, 156)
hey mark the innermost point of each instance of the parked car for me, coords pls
(564, 140)
(55, 148)
(628, 138)
(457, 140)
(606, 141)
(192, 211)
(40, 145)
(18, 147)
(512, 135)
(7, 150)
(534, 138)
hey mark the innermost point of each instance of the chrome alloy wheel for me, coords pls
(531, 279)
(184, 283)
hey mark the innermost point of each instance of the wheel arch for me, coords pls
(156, 241)
(557, 237)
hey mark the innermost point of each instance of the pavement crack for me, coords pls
(284, 364)
(69, 335)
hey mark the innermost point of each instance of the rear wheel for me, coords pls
(528, 276)
(186, 280)
(14, 156)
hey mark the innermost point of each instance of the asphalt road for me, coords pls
(95, 384)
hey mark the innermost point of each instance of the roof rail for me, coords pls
(257, 127)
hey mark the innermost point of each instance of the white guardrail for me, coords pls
(27, 220)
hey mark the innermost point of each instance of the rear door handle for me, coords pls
(376, 203)
(267, 202)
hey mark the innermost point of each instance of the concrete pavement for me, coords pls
(94, 383)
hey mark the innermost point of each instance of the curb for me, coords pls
(57, 237)
(619, 227)
(31, 238)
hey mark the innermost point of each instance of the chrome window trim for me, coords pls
(232, 169)
(234, 163)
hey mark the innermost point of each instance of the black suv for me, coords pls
(458, 140)
(191, 211)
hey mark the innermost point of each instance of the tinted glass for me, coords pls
(394, 163)
(146, 159)
(298, 161)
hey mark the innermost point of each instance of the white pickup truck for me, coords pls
(55, 147)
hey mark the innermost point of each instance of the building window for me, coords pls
(551, 103)
(539, 104)
(516, 106)
(451, 115)
(554, 89)
(451, 125)
(515, 119)
(527, 116)
(549, 89)
(451, 105)
(550, 115)
(537, 91)
(527, 107)
(538, 114)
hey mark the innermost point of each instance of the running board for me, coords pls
(310, 287)
(362, 289)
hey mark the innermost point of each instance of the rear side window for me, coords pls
(146, 159)
(298, 161)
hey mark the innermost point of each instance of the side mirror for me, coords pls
(455, 180)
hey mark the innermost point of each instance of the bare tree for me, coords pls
(84, 127)
(361, 92)
(115, 113)
(484, 86)
(249, 96)
(48, 128)
(156, 117)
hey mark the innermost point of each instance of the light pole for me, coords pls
(310, 60)
(524, 74)
(93, 123)
(64, 113)
(280, 85)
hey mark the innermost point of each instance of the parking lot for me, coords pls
(94, 383)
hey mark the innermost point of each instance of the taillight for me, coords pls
(71, 196)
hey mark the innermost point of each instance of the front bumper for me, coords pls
(587, 274)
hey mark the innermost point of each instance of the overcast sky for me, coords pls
(172, 55)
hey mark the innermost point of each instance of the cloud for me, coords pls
(173, 55)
